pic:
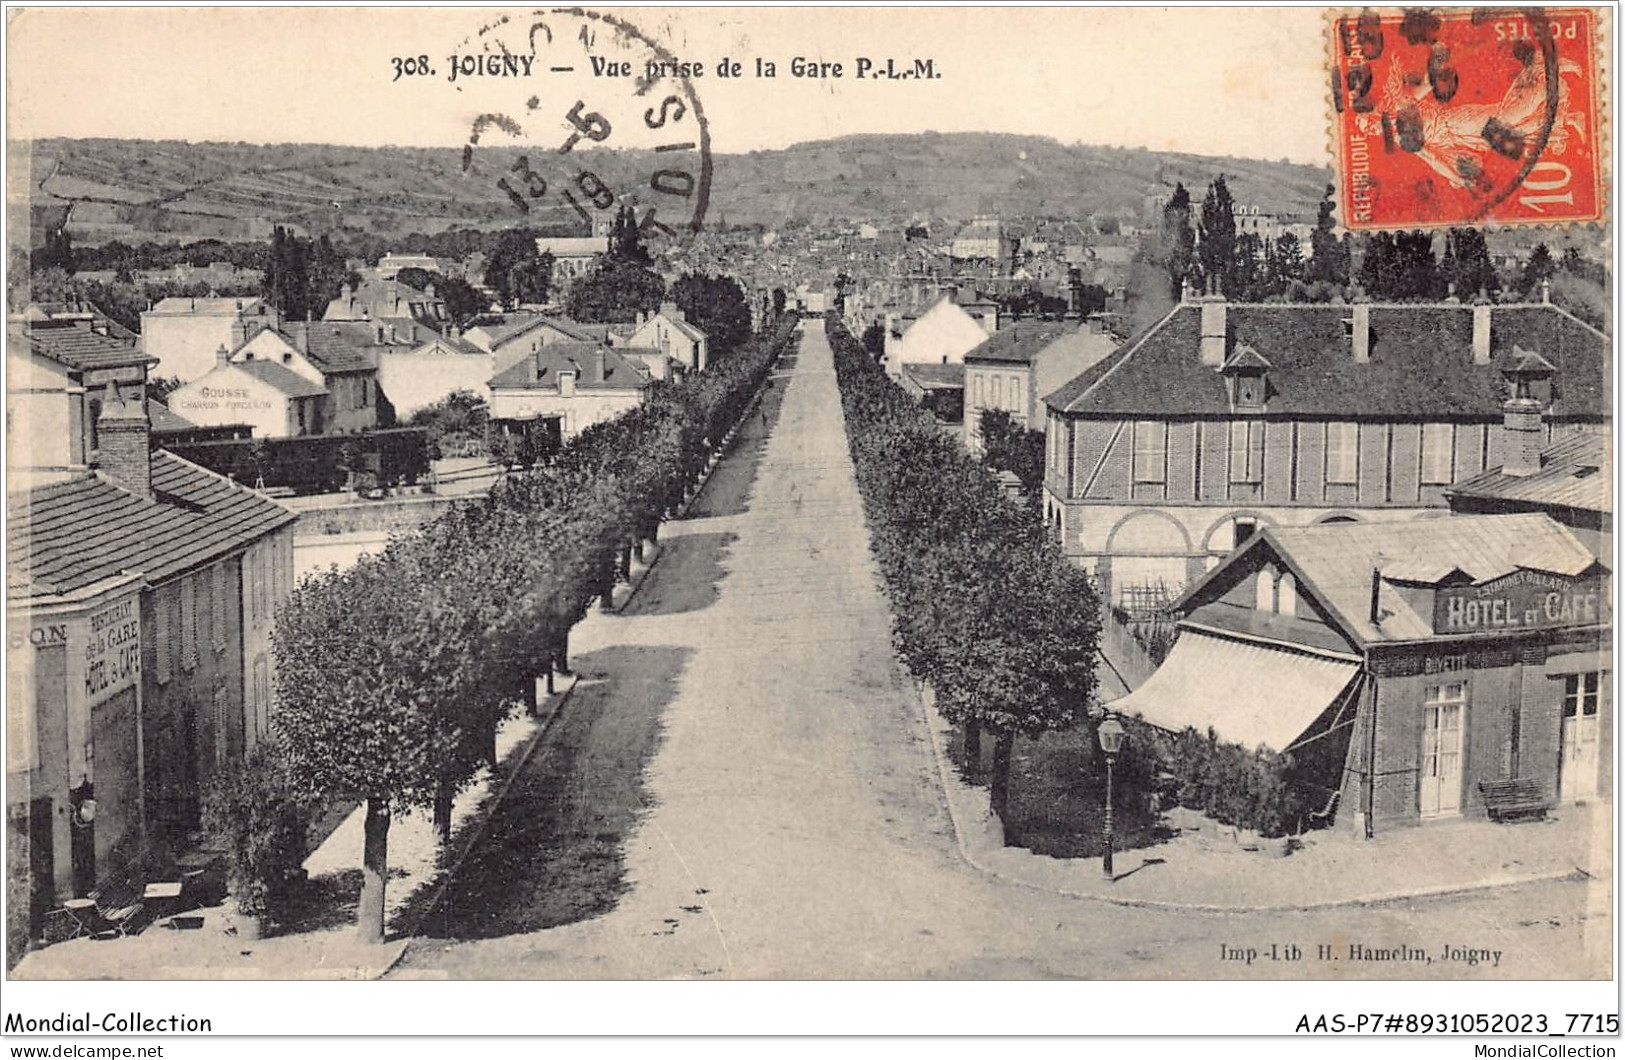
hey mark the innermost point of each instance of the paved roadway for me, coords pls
(797, 828)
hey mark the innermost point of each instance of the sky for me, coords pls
(1233, 81)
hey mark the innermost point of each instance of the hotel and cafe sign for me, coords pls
(1524, 599)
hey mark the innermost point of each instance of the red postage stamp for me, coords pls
(1450, 117)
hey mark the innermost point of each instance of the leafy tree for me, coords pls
(1217, 249)
(57, 253)
(287, 275)
(358, 683)
(463, 301)
(1009, 445)
(1466, 265)
(1179, 240)
(626, 239)
(1539, 267)
(874, 340)
(717, 306)
(615, 292)
(985, 607)
(1287, 260)
(517, 271)
(159, 387)
(413, 276)
(1329, 259)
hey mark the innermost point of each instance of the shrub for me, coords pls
(262, 814)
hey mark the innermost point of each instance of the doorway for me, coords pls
(1581, 737)
(1443, 714)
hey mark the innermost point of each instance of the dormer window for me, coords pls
(1529, 376)
(1246, 379)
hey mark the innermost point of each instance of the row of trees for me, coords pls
(393, 675)
(985, 607)
(1201, 245)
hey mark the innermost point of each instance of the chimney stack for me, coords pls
(222, 355)
(125, 450)
(1214, 330)
(239, 333)
(1481, 331)
(598, 362)
(1545, 292)
(1360, 334)
(1521, 435)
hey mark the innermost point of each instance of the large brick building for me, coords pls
(1224, 418)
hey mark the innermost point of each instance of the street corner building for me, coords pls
(1223, 418)
(140, 594)
(1430, 668)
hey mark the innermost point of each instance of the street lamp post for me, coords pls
(1111, 732)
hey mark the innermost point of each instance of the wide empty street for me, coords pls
(791, 823)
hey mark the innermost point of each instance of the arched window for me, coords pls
(1264, 590)
(1286, 595)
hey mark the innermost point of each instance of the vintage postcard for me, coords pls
(727, 493)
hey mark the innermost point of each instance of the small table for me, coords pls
(85, 915)
(163, 898)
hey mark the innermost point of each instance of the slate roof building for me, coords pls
(140, 596)
(579, 383)
(1224, 418)
(1403, 664)
(1021, 363)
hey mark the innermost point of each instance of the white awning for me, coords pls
(1249, 693)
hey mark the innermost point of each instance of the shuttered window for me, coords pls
(1247, 451)
(218, 605)
(1342, 452)
(1437, 439)
(164, 636)
(189, 623)
(1150, 451)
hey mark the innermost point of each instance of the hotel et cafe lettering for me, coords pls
(1523, 599)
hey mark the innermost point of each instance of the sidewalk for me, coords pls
(331, 950)
(1207, 870)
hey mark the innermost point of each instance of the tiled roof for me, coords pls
(284, 379)
(64, 537)
(74, 344)
(1577, 472)
(542, 368)
(1020, 342)
(164, 420)
(206, 307)
(936, 376)
(455, 343)
(1420, 364)
(335, 346)
(79, 310)
(1333, 562)
(505, 333)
